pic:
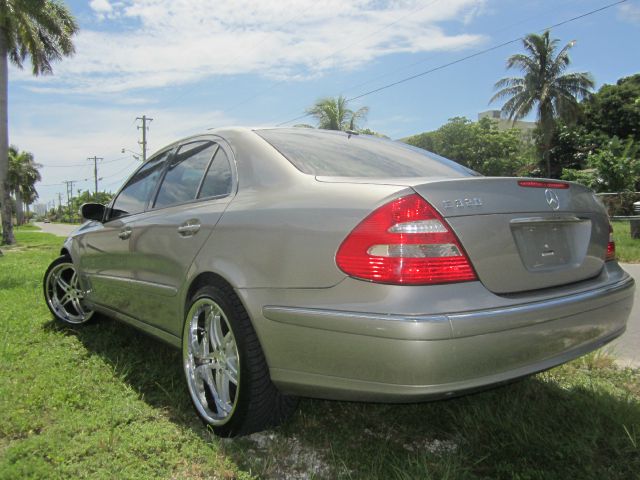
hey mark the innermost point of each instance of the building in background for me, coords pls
(505, 123)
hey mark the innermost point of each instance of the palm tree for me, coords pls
(22, 176)
(333, 114)
(41, 30)
(544, 86)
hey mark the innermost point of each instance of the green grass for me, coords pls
(627, 248)
(105, 401)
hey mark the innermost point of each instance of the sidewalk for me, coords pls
(626, 349)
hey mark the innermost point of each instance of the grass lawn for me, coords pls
(104, 401)
(627, 248)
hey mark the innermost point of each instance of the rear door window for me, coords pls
(185, 173)
(218, 181)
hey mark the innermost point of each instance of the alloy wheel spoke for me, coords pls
(215, 329)
(76, 304)
(201, 374)
(210, 377)
(199, 338)
(231, 374)
(62, 283)
(222, 387)
(66, 298)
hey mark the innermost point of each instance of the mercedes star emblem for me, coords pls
(552, 199)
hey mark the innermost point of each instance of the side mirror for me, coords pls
(92, 211)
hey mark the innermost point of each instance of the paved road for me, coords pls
(61, 229)
(626, 348)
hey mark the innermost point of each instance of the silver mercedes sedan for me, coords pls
(300, 262)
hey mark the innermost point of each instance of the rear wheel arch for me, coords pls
(204, 279)
(212, 279)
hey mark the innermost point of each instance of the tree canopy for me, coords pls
(602, 150)
(480, 146)
(333, 113)
(615, 109)
(545, 86)
(23, 175)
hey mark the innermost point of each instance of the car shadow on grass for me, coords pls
(577, 421)
(151, 367)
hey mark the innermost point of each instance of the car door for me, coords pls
(105, 258)
(197, 186)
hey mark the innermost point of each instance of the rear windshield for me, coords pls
(338, 154)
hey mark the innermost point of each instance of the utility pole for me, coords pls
(144, 129)
(95, 172)
(59, 202)
(69, 184)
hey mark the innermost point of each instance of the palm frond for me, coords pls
(521, 61)
(509, 82)
(507, 92)
(39, 29)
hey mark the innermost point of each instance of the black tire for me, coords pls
(63, 294)
(251, 404)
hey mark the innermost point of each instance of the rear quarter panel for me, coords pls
(288, 238)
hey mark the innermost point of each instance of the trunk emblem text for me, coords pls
(552, 199)
(462, 202)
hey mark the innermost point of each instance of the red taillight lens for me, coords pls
(541, 184)
(405, 242)
(611, 246)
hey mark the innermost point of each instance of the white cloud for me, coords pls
(181, 41)
(629, 12)
(101, 6)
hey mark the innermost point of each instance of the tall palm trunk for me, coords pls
(5, 209)
(547, 123)
(19, 207)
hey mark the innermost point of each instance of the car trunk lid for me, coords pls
(523, 234)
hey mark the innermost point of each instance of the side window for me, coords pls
(218, 179)
(185, 173)
(134, 196)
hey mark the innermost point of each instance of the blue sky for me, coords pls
(195, 64)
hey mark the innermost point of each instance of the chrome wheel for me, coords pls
(63, 293)
(211, 361)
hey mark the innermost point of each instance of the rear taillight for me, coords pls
(611, 246)
(405, 242)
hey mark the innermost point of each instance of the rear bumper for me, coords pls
(454, 325)
(356, 355)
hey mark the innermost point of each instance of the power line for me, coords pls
(482, 52)
(439, 54)
(81, 180)
(465, 58)
(84, 164)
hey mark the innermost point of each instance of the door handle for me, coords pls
(125, 233)
(188, 228)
